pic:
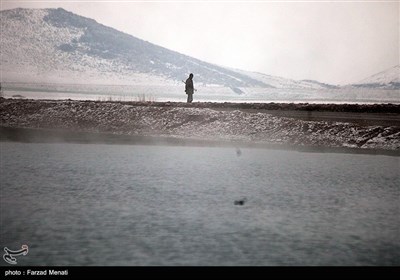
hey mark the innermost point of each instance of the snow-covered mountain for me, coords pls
(388, 79)
(54, 45)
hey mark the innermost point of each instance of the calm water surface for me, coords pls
(88, 204)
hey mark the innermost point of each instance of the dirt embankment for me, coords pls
(352, 108)
(329, 125)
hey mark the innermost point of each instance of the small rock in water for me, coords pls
(240, 202)
(238, 152)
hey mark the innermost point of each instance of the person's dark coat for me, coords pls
(189, 89)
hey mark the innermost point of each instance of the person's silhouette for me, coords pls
(189, 88)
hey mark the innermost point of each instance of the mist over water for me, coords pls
(91, 204)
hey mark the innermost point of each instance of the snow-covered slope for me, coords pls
(199, 123)
(54, 45)
(388, 79)
(283, 83)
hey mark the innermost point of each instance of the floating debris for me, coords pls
(238, 152)
(240, 201)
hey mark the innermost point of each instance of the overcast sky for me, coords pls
(336, 42)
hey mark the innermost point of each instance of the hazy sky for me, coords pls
(336, 42)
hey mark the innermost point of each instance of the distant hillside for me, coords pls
(55, 41)
(324, 85)
(283, 83)
(388, 79)
(54, 45)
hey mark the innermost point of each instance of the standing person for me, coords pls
(189, 88)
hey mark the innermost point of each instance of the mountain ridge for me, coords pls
(387, 79)
(104, 49)
(58, 45)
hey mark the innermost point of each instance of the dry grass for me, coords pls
(129, 98)
(145, 98)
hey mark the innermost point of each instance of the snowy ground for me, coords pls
(198, 122)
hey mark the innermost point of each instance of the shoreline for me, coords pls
(382, 108)
(303, 126)
(54, 136)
